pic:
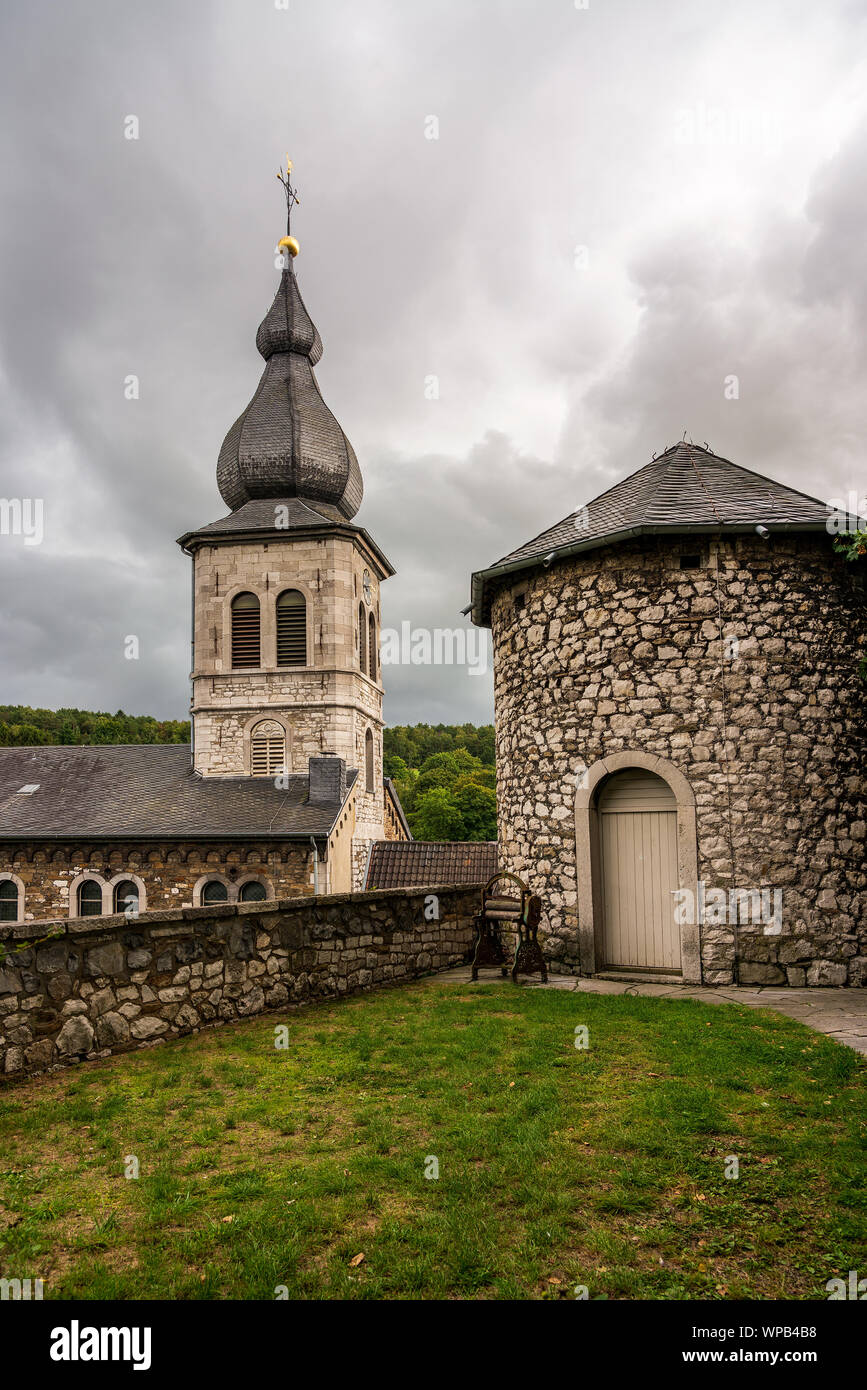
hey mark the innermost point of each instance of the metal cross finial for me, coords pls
(291, 193)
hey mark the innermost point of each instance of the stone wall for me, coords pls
(621, 650)
(110, 985)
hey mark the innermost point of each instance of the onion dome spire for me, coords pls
(287, 443)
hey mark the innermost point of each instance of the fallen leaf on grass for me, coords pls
(356, 1260)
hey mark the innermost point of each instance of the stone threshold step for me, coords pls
(645, 977)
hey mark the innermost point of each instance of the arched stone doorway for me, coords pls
(635, 840)
(638, 867)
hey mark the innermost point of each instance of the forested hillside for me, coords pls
(444, 775)
(21, 725)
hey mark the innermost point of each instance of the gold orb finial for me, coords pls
(288, 243)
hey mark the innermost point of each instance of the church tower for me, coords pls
(286, 587)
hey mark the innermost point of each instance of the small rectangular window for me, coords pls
(521, 600)
(690, 562)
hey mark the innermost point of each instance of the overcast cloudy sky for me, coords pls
(626, 203)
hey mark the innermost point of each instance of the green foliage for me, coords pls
(853, 545)
(445, 779)
(477, 805)
(21, 726)
(435, 816)
(413, 744)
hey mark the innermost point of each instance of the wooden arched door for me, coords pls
(638, 855)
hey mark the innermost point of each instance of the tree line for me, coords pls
(21, 726)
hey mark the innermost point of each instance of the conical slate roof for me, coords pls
(287, 443)
(686, 489)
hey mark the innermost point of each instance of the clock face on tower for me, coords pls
(366, 586)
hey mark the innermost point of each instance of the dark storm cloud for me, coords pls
(722, 234)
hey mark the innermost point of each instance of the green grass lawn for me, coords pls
(557, 1166)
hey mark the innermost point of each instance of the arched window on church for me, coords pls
(90, 898)
(252, 892)
(368, 760)
(362, 639)
(245, 630)
(126, 897)
(268, 749)
(8, 900)
(371, 647)
(214, 892)
(291, 629)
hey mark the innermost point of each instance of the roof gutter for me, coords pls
(66, 837)
(477, 614)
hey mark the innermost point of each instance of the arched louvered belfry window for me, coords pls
(90, 898)
(268, 749)
(371, 648)
(245, 631)
(362, 639)
(8, 900)
(291, 629)
(368, 760)
(126, 897)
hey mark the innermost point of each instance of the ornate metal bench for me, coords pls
(520, 912)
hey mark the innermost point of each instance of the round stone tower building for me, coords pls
(681, 730)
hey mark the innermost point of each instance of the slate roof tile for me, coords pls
(146, 791)
(687, 488)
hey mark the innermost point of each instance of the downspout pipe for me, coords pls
(316, 888)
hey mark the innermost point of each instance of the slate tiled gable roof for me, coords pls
(124, 791)
(410, 863)
(686, 489)
(261, 515)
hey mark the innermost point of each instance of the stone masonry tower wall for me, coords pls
(325, 706)
(620, 650)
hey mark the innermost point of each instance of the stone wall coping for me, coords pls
(95, 926)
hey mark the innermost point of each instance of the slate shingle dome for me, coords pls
(287, 443)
